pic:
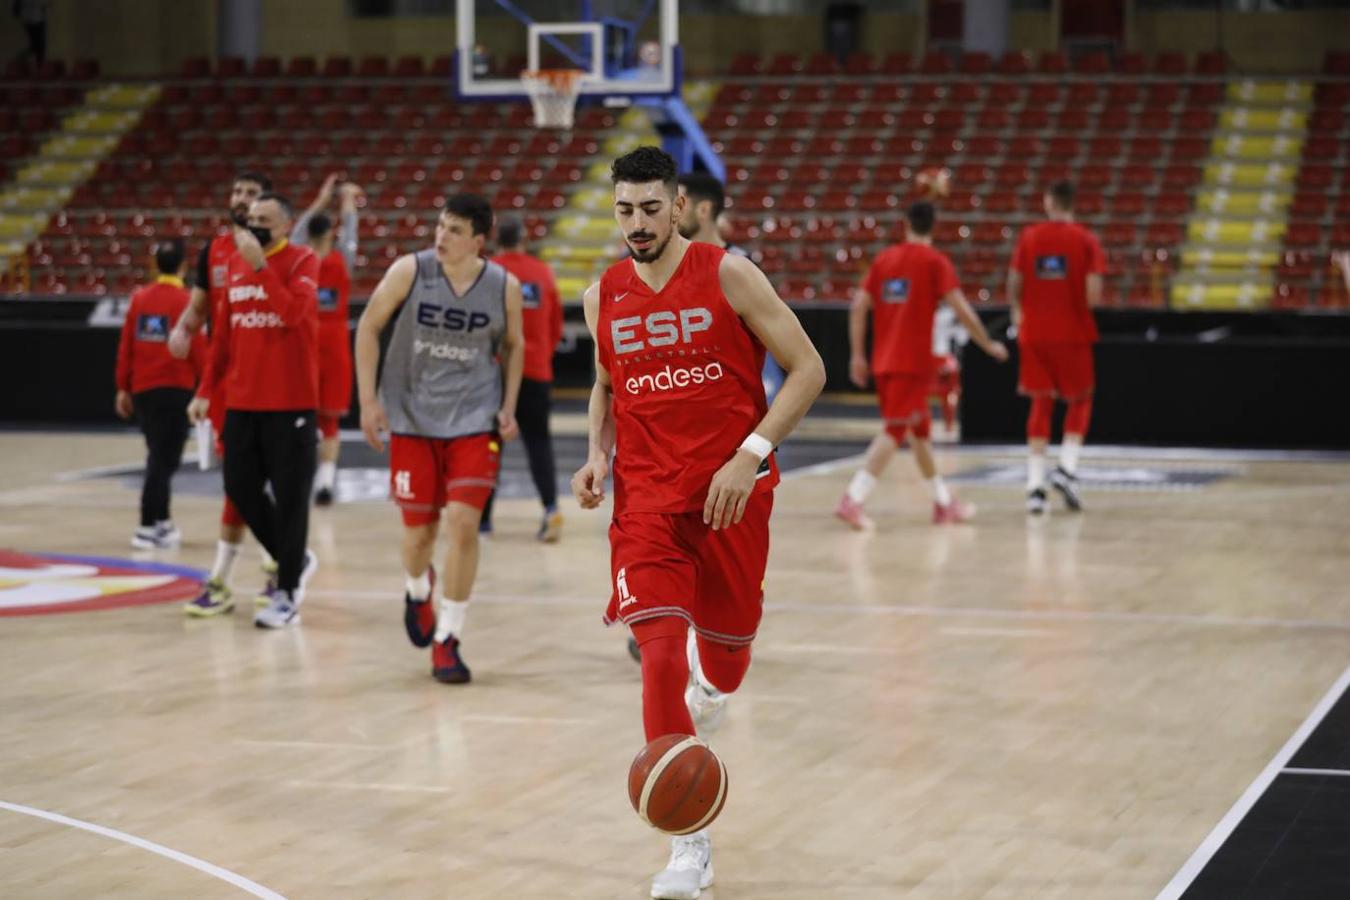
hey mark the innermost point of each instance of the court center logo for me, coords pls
(43, 583)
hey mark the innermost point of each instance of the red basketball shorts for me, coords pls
(671, 564)
(335, 373)
(1058, 370)
(903, 398)
(427, 473)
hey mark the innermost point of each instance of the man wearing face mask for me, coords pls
(266, 352)
(208, 299)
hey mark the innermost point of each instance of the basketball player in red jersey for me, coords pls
(336, 248)
(1054, 280)
(207, 299)
(902, 289)
(681, 330)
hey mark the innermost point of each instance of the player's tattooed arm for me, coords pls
(588, 484)
(388, 296)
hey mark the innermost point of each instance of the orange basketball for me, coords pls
(677, 784)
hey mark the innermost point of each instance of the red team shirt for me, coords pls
(906, 282)
(212, 273)
(143, 358)
(265, 347)
(1055, 259)
(541, 313)
(335, 352)
(685, 376)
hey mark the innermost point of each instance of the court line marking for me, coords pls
(200, 865)
(937, 612)
(1341, 773)
(1215, 839)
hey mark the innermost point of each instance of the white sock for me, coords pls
(419, 587)
(861, 485)
(941, 495)
(226, 554)
(326, 477)
(450, 615)
(1068, 453)
(1035, 471)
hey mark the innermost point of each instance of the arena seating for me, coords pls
(819, 168)
(1320, 209)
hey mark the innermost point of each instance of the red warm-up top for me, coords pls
(266, 348)
(541, 311)
(143, 358)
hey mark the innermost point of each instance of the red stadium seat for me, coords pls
(1303, 235)
(1122, 93)
(230, 67)
(1169, 64)
(1052, 63)
(860, 64)
(195, 67)
(1131, 62)
(897, 64)
(1336, 62)
(1015, 63)
(1094, 63)
(1129, 203)
(1043, 94)
(266, 67)
(975, 63)
(1309, 206)
(935, 63)
(1211, 62)
(337, 67)
(409, 67)
(301, 67)
(1083, 93)
(785, 64)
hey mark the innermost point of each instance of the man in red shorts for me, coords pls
(902, 289)
(681, 331)
(1054, 280)
(207, 299)
(336, 248)
(447, 394)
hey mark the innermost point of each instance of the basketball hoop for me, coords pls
(553, 94)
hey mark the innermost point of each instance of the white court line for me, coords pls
(936, 612)
(214, 871)
(370, 786)
(1339, 773)
(1211, 844)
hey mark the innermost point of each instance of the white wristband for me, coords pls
(758, 445)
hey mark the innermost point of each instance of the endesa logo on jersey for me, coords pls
(256, 319)
(673, 378)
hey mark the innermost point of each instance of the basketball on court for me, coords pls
(677, 784)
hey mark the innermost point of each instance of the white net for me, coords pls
(553, 94)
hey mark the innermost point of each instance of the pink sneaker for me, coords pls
(953, 513)
(852, 513)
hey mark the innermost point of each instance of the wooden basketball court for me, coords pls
(1062, 707)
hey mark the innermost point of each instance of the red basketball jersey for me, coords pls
(335, 288)
(1055, 259)
(686, 381)
(217, 273)
(906, 283)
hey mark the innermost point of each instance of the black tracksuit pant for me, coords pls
(162, 413)
(532, 410)
(278, 449)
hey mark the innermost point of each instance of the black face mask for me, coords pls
(264, 235)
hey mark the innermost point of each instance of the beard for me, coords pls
(652, 253)
(239, 215)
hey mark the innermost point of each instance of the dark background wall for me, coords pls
(1242, 379)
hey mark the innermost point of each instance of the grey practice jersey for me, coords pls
(441, 377)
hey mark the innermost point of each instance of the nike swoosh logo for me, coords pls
(300, 422)
(621, 296)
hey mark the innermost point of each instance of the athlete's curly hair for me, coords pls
(646, 164)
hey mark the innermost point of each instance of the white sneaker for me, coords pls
(281, 610)
(144, 538)
(689, 870)
(707, 705)
(167, 535)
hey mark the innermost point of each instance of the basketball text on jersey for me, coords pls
(1052, 266)
(895, 290)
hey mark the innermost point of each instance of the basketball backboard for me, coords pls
(627, 48)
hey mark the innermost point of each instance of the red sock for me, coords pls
(1038, 420)
(229, 514)
(665, 675)
(1077, 418)
(724, 666)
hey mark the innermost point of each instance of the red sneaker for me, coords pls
(447, 666)
(953, 513)
(419, 616)
(851, 512)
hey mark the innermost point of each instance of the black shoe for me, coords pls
(1036, 502)
(1067, 485)
(323, 497)
(634, 650)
